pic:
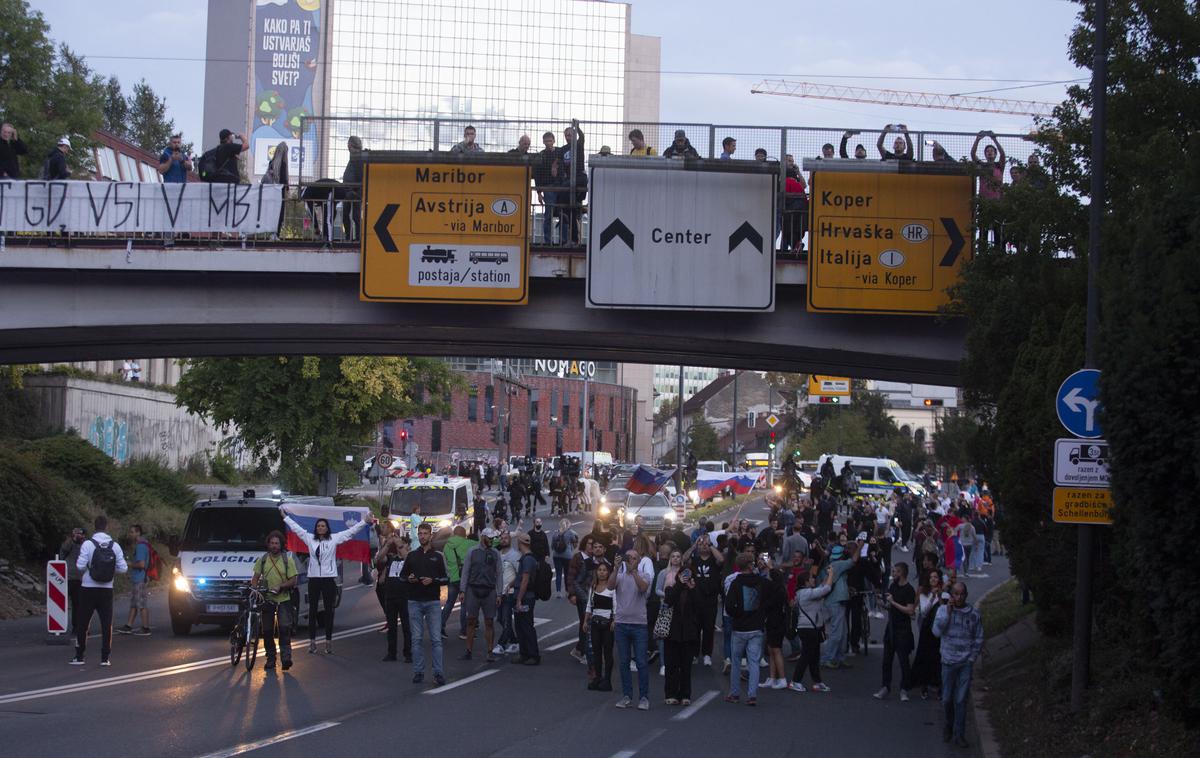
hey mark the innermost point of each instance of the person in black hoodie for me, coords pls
(390, 562)
(425, 572)
(570, 154)
(11, 147)
(745, 602)
(683, 638)
(681, 147)
(55, 168)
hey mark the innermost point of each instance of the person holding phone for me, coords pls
(390, 562)
(810, 626)
(631, 583)
(681, 595)
(174, 164)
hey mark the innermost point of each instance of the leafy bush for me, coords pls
(37, 507)
(163, 484)
(222, 468)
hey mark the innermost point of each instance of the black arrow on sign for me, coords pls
(381, 228)
(746, 232)
(616, 229)
(956, 242)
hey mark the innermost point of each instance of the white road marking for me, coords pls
(539, 621)
(292, 734)
(559, 630)
(633, 749)
(696, 705)
(460, 682)
(182, 668)
(564, 643)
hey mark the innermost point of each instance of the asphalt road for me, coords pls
(168, 695)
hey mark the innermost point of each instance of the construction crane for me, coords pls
(901, 97)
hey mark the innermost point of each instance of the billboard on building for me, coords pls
(287, 46)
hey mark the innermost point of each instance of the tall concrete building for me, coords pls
(439, 64)
(666, 382)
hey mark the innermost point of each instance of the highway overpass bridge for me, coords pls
(84, 303)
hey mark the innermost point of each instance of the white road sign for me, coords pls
(681, 235)
(1081, 463)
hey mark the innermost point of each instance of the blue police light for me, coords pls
(202, 581)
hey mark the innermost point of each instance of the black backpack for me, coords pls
(103, 565)
(743, 598)
(207, 167)
(543, 581)
(560, 543)
(482, 573)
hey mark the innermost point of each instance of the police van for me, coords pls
(876, 476)
(443, 502)
(220, 543)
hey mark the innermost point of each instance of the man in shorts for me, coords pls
(481, 586)
(140, 593)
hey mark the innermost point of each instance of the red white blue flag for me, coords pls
(709, 483)
(647, 481)
(353, 540)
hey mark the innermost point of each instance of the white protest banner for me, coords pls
(93, 207)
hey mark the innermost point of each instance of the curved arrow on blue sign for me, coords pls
(1078, 403)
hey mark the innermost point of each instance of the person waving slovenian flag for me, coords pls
(647, 481)
(709, 483)
(351, 540)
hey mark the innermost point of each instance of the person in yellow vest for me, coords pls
(277, 570)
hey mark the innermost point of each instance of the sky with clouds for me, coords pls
(712, 53)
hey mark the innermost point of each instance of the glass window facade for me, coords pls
(541, 61)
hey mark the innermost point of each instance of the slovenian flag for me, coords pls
(351, 545)
(709, 483)
(647, 481)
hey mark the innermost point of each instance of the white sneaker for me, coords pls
(662, 670)
(727, 666)
(903, 696)
(762, 663)
(644, 704)
(625, 702)
(498, 650)
(883, 692)
(780, 684)
(708, 660)
(797, 687)
(633, 665)
(513, 649)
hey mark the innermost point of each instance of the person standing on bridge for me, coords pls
(425, 572)
(960, 628)
(322, 570)
(11, 147)
(640, 148)
(902, 146)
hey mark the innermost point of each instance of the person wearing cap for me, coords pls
(527, 642)
(638, 140)
(681, 147)
(227, 156)
(860, 152)
(480, 586)
(55, 167)
(728, 146)
(833, 651)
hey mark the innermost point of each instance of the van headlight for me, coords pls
(605, 510)
(445, 523)
(181, 583)
(778, 489)
(695, 496)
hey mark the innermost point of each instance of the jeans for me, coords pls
(424, 616)
(987, 546)
(508, 635)
(677, 658)
(92, 600)
(560, 573)
(749, 644)
(833, 649)
(956, 684)
(967, 563)
(395, 609)
(550, 211)
(526, 634)
(283, 612)
(635, 636)
(980, 552)
(899, 644)
(451, 596)
(727, 636)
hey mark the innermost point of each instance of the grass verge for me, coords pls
(1002, 608)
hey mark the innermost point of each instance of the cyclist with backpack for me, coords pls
(139, 569)
(100, 560)
(480, 588)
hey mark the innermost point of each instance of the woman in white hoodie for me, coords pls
(322, 571)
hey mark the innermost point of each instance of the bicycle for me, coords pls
(864, 618)
(243, 639)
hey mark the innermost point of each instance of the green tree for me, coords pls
(666, 411)
(702, 441)
(309, 412)
(116, 108)
(149, 127)
(956, 441)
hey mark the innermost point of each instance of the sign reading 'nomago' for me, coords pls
(886, 242)
(445, 232)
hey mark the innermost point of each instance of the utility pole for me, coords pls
(733, 444)
(679, 436)
(584, 463)
(1086, 533)
(771, 457)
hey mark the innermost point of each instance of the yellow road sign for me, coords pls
(445, 232)
(1078, 505)
(828, 385)
(886, 242)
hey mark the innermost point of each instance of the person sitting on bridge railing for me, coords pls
(639, 144)
(681, 147)
(860, 152)
(902, 146)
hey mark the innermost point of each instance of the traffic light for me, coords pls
(496, 434)
(771, 444)
(830, 400)
(403, 436)
(932, 401)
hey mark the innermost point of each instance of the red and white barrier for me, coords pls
(56, 597)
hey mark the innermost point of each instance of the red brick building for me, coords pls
(538, 416)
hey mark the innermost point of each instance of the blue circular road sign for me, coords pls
(1078, 403)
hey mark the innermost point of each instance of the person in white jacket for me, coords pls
(102, 555)
(322, 570)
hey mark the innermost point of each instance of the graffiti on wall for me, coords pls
(111, 437)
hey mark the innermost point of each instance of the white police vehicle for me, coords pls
(443, 502)
(220, 543)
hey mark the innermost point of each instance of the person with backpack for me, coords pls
(277, 571)
(528, 580)
(745, 604)
(220, 164)
(100, 560)
(562, 548)
(480, 587)
(139, 592)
